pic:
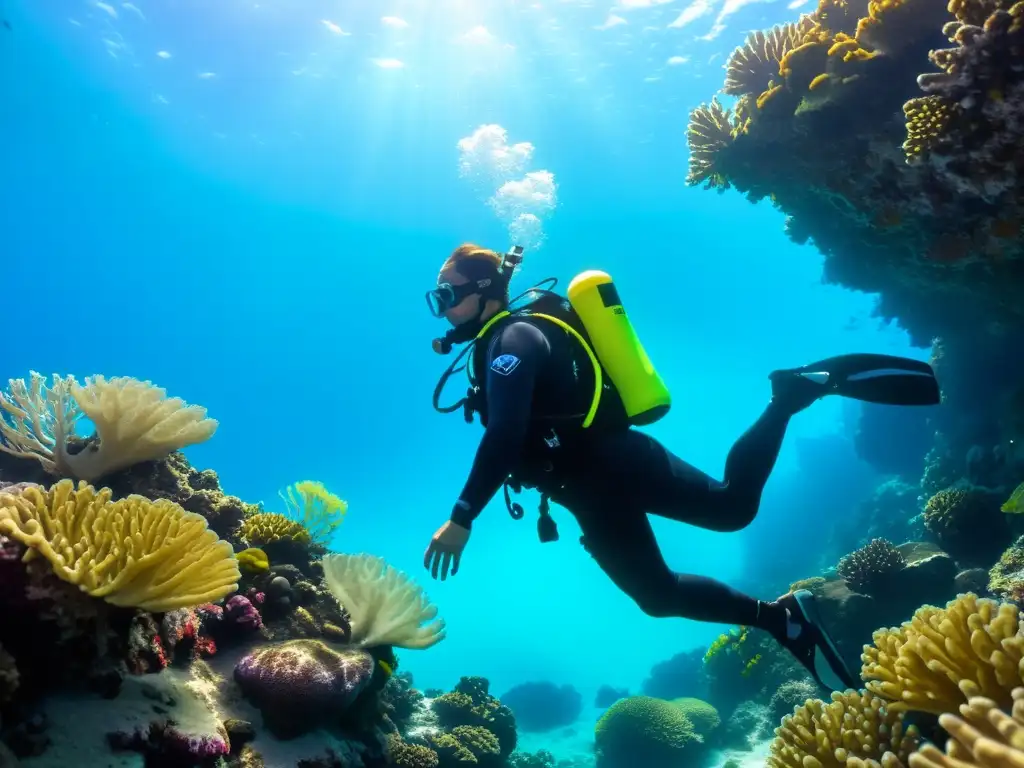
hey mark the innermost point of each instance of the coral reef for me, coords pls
(607, 695)
(470, 703)
(678, 676)
(906, 180)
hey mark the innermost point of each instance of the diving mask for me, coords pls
(491, 285)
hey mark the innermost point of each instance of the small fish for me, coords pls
(388, 669)
(1015, 504)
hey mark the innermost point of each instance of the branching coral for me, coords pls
(854, 726)
(983, 735)
(868, 568)
(134, 420)
(711, 130)
(943, 656)
(385, 605)
(133, 552)
(318, 510)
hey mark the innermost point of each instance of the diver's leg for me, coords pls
(620, 539)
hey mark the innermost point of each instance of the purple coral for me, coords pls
(162, 743)
(298, 683)
(240, 612)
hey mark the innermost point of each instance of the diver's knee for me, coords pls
(738, 514)
(658, 605)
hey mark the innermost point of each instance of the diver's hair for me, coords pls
(471, 251)
(476, 262)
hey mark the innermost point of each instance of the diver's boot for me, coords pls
(807, 639)
(793, 389)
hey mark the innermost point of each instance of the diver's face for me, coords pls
(466, 310)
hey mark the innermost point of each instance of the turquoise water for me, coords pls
(244, 203)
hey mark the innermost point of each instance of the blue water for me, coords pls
(251, 217)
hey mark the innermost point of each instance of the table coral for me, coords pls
(299, 683)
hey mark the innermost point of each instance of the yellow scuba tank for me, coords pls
(594, 297)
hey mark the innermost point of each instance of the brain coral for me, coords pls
(641, 730)
(298, 683)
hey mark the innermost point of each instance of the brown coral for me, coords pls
(944, 656)
(711, 130)
(868, 569)
(892, 26)
(854, 726)
(195, 490)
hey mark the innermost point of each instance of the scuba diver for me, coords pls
(560, 385)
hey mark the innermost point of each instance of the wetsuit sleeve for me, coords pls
(514, 360)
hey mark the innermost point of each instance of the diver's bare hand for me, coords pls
(445, 550)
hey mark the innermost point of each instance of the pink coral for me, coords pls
(162, 742)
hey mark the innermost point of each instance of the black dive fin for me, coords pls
(884, 379)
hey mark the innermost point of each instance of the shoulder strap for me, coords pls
(598, 377)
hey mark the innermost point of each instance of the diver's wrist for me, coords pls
(462, 514)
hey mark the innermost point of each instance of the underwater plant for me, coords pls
(318, 510)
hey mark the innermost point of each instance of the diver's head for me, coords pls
(471, 286)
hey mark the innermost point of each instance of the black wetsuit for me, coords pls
(610, 478)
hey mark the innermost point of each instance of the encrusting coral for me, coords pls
(386, 607)
(133, 552)
(853, 726)
(134, 420)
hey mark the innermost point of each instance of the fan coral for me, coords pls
(319, 511)
(868, 568)
(643, 731)
(753, 65)
(944, 656)
(135, 421)
(133, 552)
(386, 606)
(298, 683)
(982, 736)
(853, 726)
(711, 128)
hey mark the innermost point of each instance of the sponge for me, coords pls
(133, 552)
(385, 606)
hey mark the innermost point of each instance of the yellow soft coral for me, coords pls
(943, 656)
(318, 510)
(854, 727)
(267, 527)
(928, 119)
(132, 552)
(983, 735)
